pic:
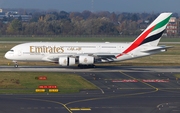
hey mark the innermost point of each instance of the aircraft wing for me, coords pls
(106, 55)
(95, 55)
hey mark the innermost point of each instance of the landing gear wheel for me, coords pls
(81, 66)
(92, 66)
(16, 65)
(86, 66)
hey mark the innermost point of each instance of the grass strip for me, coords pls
(177, 75)
(26, 82)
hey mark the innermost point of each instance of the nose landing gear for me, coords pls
(16, 65)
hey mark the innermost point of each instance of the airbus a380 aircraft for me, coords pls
(86, 54)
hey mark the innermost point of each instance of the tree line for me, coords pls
(78, 23)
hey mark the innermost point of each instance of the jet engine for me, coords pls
(86, 60)
(66, 61)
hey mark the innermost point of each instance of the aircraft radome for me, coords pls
(86, 54)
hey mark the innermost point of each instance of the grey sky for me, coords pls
(99, 5)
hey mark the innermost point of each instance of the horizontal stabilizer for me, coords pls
(157, 48)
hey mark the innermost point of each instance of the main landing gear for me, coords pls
(86, 66)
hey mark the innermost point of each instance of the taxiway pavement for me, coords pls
(121, 90)
(97, 69)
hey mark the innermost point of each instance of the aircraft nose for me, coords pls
(6, 55)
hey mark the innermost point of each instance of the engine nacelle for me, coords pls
(66, 61)
(86, 60)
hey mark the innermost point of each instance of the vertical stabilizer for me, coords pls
(152, 34)
(154, 31)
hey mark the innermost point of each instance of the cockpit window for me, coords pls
(11, 50)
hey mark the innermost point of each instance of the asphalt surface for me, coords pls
(97, 69)
(161, 95)
(113, 95)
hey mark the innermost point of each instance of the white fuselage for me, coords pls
(51, 51)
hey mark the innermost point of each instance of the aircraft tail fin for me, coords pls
(152, 34)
